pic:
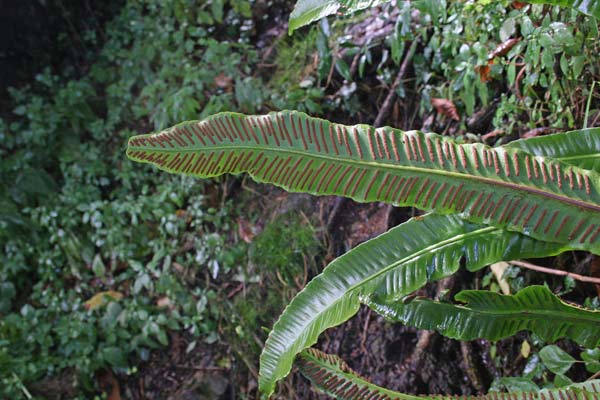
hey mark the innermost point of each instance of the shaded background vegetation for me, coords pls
(194, 273)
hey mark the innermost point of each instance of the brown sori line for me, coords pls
(453, 155)
(505, 211)
(306, 174)
(338, 130)
(256, 161)
(489, 209)
(405, 197)
(475, 155)
(236, 133)
(283, 128)
(197, 132)
(463, 157)
(535, 167)
(229, 162)
(246, 126)
(341, 179)
(177, 139)
(421, 190)
(579, 183)
(186, 133)
(551, 171)
(358, 181)
(314, 130)
(204, 128)
(516, 163)
(162, 160)
(429, 148)
(342, 389)
(256, 171)
(271, 129)
(476, 203)
(551, 221)
(593, 237)
(465, 201)
(177, 166)
(197, 163)
(393, 138)
(242, 128)
(173, 161)
(437, 195)
(223, 129)
(506, 164)
(551, 395)
(215, 168)
(490, 154)
(560, 395)
(255, 123)
(405, 140)
(393, 184)
(528, 217)
(496, 162)
(301, 133)
(160, 142)
(448, 194)
(165, 138)
(321, 123)
(562, 225)
(350, 180)
(379, 146)
(586, 233)
(482, 207)
(540, 219)
(316, 174)
(440, 153)
(516, 220)
(413, 147)
(576, 229)
(245, 164)
(295, 169)
(371, 147)
(511, 211)
(281, 168)
(527, 168)
(543, 169)
(176, 134)
(569, 177)
(272, 163)
(362, 392)
(386, 149)
(370, 185)
(346, 143)
(291, 120)
(188, 163)
(326, 175)
(307, 130)
(383, 184)
(214, 131)
(352, 391)
(357, 144)
(333, 144)
(429, 192)
(586, 179)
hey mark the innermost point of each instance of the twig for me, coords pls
(596, 375)
(552, 271)
(389, 100)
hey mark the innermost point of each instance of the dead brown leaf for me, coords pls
(446, 108)
(503, 48)
(224, 82)
(246, 230)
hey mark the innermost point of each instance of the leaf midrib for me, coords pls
(527, 189)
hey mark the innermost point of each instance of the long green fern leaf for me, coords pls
(333, 376)
(543, 198)
(493, 316)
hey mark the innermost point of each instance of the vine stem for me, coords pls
(552, 271)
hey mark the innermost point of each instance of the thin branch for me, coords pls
(552, 271)
(389, 100)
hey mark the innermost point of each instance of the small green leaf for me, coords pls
(591, 357)
(114, 356)
(556, 359)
